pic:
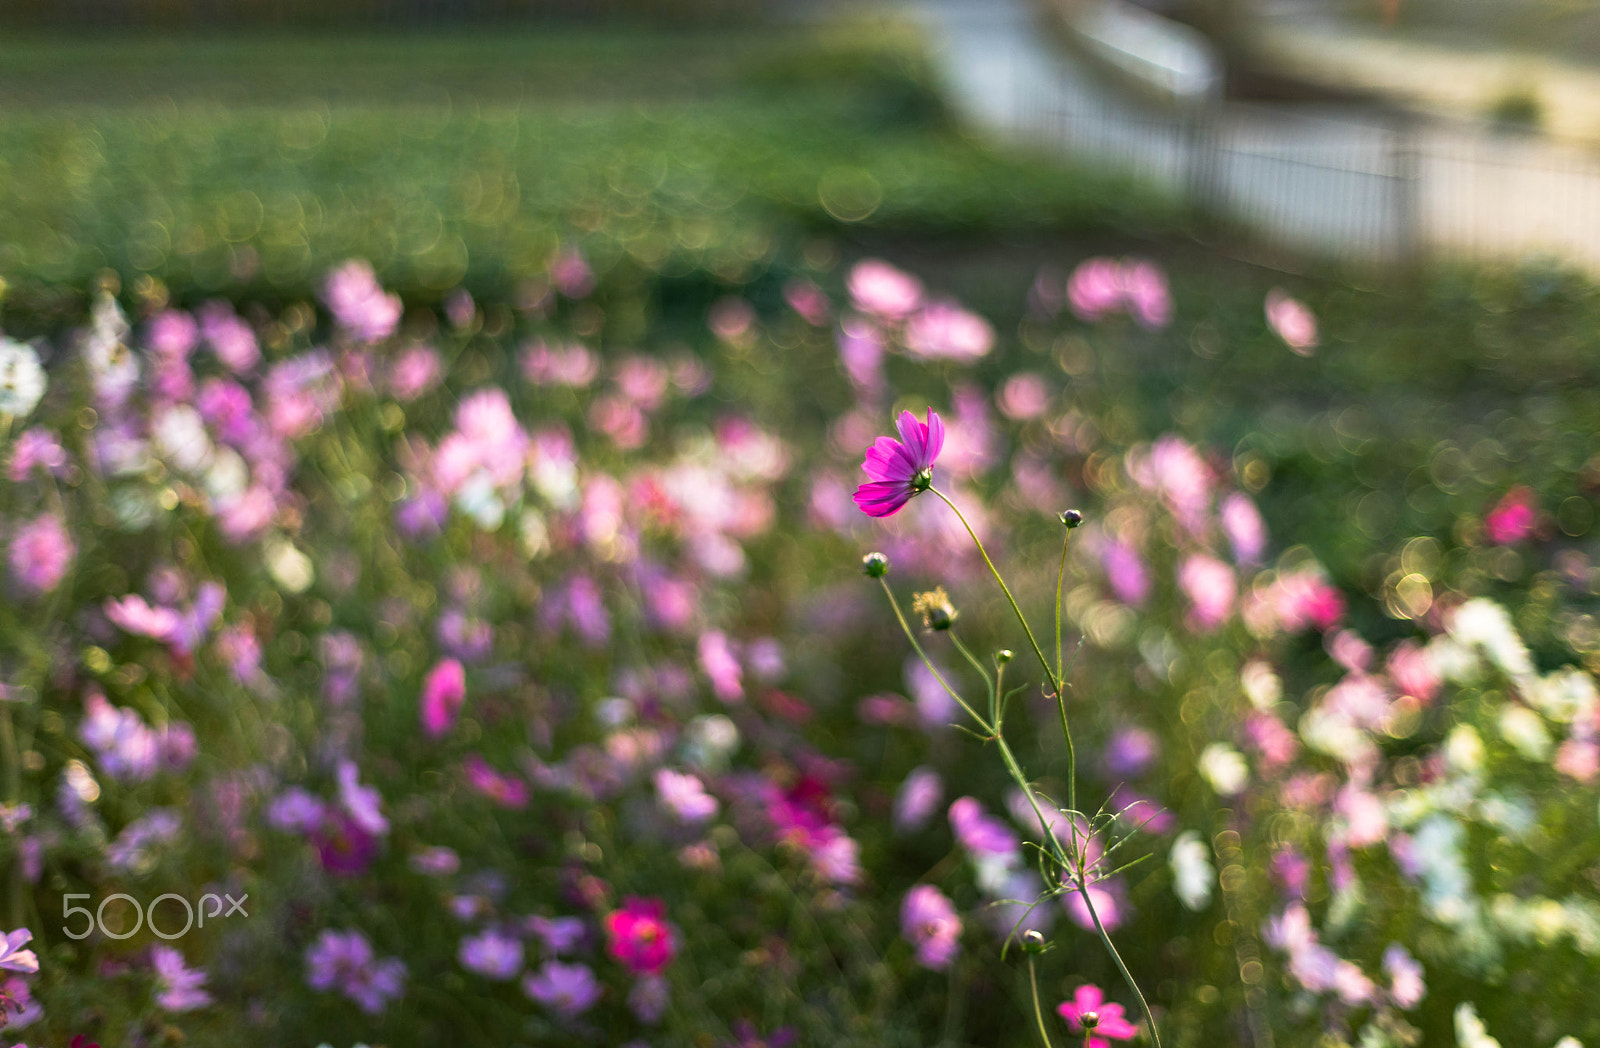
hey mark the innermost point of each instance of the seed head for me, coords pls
(935, 608)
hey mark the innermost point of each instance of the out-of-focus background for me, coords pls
(430, 430)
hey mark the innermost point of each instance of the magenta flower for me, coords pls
(1089, 999)
(1513, 519)
(443, 691)
(639, 936)
(900, 468)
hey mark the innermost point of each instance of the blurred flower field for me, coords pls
(470, 643)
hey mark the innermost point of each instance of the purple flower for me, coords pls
(558, 934)
(41, 552)
(917, 799)
(493, 955)
(900, 468)
(436, 862)
(649, 998)
(343, 961)
(362, 802)
(979, 832)
(13, 958)
(930, 923)
(1408, 988)
(569, 989)
(179, 986)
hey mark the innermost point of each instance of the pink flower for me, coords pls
(180, 987)
(1110, 1021)
(358, 303)
(41, 552)
(1513, 518)
(720, 664)
(504, 790)
(1209, 585)
(684, 795)
(900, 468)
(444, 690)
(1246, 531)
(930, 923)
(1101, 286)
(1144, 289)
(1291, 321)
(135, 615)
(639, 936)
(945, 331)
(877, 287)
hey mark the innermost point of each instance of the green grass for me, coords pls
(233, 164)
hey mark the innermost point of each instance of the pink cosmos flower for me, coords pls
(1513, 518)
(1246, 531)
(135, 615)
(505, 790)
(1291, 321)
(722, 666)
(1101, 286)
(358, 303)
(900, 468)
(443, 691)
(684, 795)
(41, 552)
(1209, 585)
(639, 936)
(878, 288)
(930, 923)
(1112, 1023)
(945, 331)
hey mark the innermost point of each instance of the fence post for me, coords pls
(1405, 192)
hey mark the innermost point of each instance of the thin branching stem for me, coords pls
(1038, 1013)
(916, 646)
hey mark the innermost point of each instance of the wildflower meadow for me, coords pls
(819, 633)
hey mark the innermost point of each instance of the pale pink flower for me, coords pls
(41, 552)
(1291, 321)
(1209, 585)
(878, 288)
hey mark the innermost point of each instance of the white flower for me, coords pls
(22, 379)
(1470, 1032)
(1565, 695)
(181, 436)
(1261, 686)
(1463, 749)
(288, 567)
(1481, 622)
(1224, 768)
(1192, 873)
(1525, 730)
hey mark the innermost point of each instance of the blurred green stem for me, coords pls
(1038, 1013)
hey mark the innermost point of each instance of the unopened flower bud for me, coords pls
(876, 565)
(1003, 656)
(935, 608)
(1089, 1020)
(1033, 941)
(1071, 518)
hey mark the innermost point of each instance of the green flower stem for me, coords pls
(1127, 976)
(994, 693)
(912, 637)
(1038, 1014)
(1050, 674)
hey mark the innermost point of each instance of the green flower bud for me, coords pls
(876, 565)
(1071, 517)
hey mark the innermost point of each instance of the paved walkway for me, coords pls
(1335, 182)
